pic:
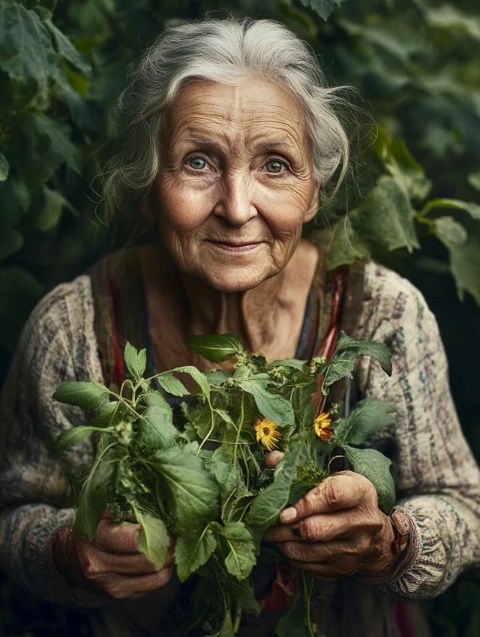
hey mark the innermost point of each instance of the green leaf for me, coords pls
(157, 430)
(153, 541)
(379, 351)
(369, 416)
(449, 231)
(172, 385)
(295, 622)
(26, 52)
(87, 395)
(51, 211)
(474, 180)
(66, 49)
(74, 436)
(323, 7)
(10, 242)
(136, 361)
(216, 347)
(385, 217)
(465, 263)
(193, 549)
(4, 167)
(240, 559)
(267, 506)
(376, 467)
(272, 406)
(473, 209)
(95, 493)
(345, 245)
(197, 376)
(191, 492)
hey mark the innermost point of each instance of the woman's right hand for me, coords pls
(111, 562)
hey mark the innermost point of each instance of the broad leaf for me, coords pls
(379, 351)
(368, 417)
(87, 395)
(74, 436)
(153, 541)
(10, 242)
(136, 361)
(157, 430)
(193, 549)
(172, 385)
(376, 467)
(449, 231)
(241, 550)
(267, 506)
(465, 263)
(4, 167)
(216, 347)
(190, 491)
(272, 406)
(197, 376)
(471, 208)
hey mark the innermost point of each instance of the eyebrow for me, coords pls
(261, 145)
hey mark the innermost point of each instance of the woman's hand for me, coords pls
(336, 529)
(111, 562)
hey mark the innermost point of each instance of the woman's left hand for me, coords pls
(337, 530)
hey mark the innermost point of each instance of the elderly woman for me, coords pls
(229, 140)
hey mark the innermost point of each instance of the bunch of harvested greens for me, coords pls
(198, 470)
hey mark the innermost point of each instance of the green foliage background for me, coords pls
(413, 194)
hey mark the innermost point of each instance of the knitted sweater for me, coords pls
(436, 477)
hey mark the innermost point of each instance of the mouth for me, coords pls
(235, 246)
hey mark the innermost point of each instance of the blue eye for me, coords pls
(275, 166)
(198, 163)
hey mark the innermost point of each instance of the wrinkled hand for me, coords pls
(111, 562)
(336, 529)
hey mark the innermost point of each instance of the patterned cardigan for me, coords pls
(437, 479)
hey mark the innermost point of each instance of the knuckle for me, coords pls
(310, 529)
(164, 576)
(117, 591)
(333, 491)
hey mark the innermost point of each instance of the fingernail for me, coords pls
(289, 515)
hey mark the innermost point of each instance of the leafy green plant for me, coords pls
(200, 473)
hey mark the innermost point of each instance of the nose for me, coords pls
(235, 198)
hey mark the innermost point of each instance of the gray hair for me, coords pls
(224, 51)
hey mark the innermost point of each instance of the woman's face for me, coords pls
(236, 183)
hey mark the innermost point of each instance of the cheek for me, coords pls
(182, 207)
(285, 208)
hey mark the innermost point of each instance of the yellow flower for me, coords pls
(322, 426)
(267, 433)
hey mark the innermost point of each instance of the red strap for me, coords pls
(116, 345)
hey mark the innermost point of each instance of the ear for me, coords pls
(314, 203)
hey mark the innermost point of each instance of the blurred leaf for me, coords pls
(4, 167)
(449, 231)
(51, 211)
(465, 263)
(67, 50)
(323, 7)
(473, 209)
(10, 241)
(474, 180)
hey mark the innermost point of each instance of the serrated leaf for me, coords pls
(240, 559)
(267, 506)
(87, 395)
(157, 430)
(153, 541)
(193, 549)
(369, 416)
(216, 347)
(136, 361)
(272, 406)
(172, 385)
(191, 492)
(197, 376)
(376, 467)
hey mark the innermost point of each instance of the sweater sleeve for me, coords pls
(436, 476)
(57, 343)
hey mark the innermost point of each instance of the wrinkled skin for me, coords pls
(235, 188)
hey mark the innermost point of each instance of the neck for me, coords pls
(267, 318)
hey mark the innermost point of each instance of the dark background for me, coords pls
(416, 122)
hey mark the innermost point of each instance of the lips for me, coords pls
(235, 246)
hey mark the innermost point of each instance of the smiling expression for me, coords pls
(236, 183)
